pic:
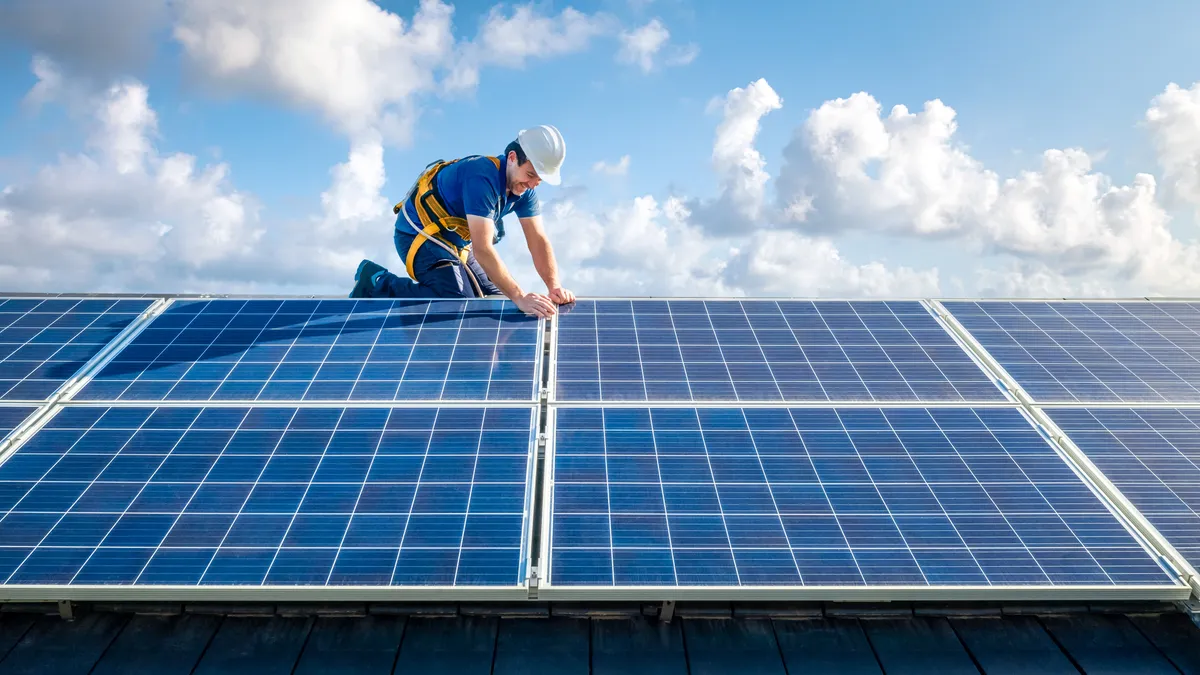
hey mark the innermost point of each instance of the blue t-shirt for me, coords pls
(475, 186)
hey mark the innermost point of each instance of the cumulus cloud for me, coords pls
(123, 215)
(352, 61)
(511, 40)
(86, 37)
(1174, 122)
(849, 167)
(619, 168)
(739, 166)
(787, 263)
(643, 46)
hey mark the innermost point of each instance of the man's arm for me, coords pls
(481, 244)
(543, 258)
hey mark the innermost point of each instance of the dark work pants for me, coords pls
(441, 276)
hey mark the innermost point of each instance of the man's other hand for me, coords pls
(536, 304)
(562, 296)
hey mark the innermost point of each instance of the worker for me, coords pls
(450, 220)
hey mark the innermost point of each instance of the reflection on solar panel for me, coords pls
(762, 351)
(1092, 351)
(1153, 457)
(267, 496)
(11, 417)
(44, 342)
(327, 350)
(686, 497)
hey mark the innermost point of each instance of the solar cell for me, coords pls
(45, 341)
(327, 350)
(1153, 457)
(269, 496)
(750, 351)
(832, 497)
(1092, 351)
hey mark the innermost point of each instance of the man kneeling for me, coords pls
(448, 223)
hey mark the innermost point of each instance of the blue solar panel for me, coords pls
(44, 342)
(327, 350)
(646, 350)
(269, 496)
(11, 417)
(1153, 457)
(737, 497)
(1092, 351)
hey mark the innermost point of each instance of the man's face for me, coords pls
(521, 178)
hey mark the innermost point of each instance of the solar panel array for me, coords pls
(45, 341)
(327, 350)
(826, 497)
(699, 446)
(1152, 455)
(1075, 352)
(762, 350)
(186, 496)
(682, 486)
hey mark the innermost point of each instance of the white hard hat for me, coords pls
(545, 147)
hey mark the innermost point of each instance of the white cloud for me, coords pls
(123, 216)
(92, 38)
(740, 167)
(642, 46)
(354, 62)
(851, 168)
(1174, 122)
(1032, 279)
(620, 168)
(510, 41)
(787, 263)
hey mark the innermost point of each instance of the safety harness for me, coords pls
(434, 217)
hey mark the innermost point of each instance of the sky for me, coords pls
(851, 149)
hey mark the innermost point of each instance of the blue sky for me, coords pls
(1022, 77)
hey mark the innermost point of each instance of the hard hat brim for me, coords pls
(551, 177)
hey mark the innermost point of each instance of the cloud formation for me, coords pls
(350, 60)
(644, 48)
(123, 216)
(849, 167)
(618, 168)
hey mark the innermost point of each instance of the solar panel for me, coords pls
(750, 351)
(825, 497)
(269, 496)
(327, 350)
(1153, 457)
(1092, 351)
(44, 342)
(11, 417)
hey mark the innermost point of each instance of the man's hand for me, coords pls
(536, 304)
(561, 295)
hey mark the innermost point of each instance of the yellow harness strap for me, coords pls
(433, 216)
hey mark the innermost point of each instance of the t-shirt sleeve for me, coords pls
(528, 205)
(480, 198)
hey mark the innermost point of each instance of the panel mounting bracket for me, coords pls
(66, 610)
(533, 583)
(666, 611)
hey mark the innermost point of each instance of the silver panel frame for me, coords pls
(1179, 590)
(283, 593)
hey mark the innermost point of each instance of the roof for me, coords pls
(702, 639)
